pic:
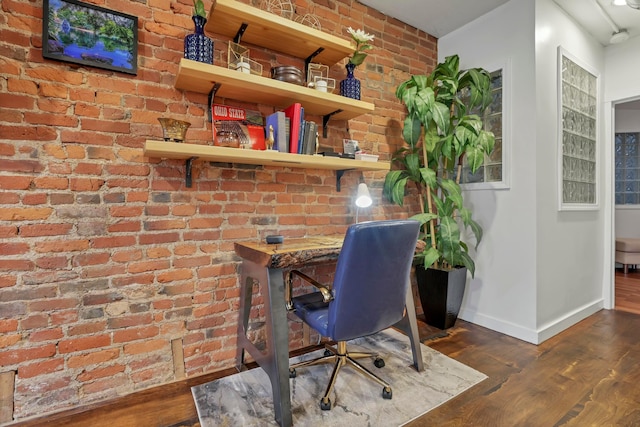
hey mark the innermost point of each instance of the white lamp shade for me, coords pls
(363, 198)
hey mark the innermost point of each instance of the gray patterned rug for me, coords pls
(244, 399)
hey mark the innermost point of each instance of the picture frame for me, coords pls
(90, 35)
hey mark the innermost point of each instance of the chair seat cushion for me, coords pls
(313, 310)
(626, 244)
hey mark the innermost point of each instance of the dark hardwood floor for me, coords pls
(628, 291)
(586, 376)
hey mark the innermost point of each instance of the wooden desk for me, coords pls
(265, 265)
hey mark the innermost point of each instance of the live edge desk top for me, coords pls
(293, 252)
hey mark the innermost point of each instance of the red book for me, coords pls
(294, 113)
(245, 125)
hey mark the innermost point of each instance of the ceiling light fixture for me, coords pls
(635, 4)
(619, 2)
(619, 34)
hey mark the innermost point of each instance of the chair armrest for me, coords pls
(326, 292)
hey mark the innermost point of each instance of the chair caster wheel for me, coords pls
(327, 352)
(386, 393)
(378, 363)
(325, 405)
(292, 373)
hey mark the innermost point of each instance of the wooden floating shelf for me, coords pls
(174, 150)
(275, 32)
(200, 77)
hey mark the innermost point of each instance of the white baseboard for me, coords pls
(527, 334)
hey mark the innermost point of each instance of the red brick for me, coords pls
(38, 230)
(86, 343)
(46, 335)
(112, 383)
(20, 355)
(94, 358)
(7, 340)
(146, 346)
(101, 373)
(41, 368)
(128, 321)
(133, 334)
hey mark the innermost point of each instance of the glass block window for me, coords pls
(578, 110)
(627, 173)
(491, 170)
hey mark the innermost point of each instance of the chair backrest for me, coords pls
(372, 278)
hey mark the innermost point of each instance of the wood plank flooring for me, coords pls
(586, 376)
(628, 291)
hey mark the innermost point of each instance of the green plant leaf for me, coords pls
(452, 191)
(449, 239)
(440, 115)
(431, 255)
(465, 214)
(358, 58)
(411, 130)
(429, 177)
(431, 138)
(423, 218)
(487, 141)
(466, 261)
(475, 157)
(198, 6)
(394, 184)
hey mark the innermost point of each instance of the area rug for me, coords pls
(244, 399)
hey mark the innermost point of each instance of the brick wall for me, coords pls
(106, 258)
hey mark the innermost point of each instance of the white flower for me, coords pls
(360, 36)
(362, 40)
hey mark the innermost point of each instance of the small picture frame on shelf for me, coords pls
(350, 146)
(238, 59)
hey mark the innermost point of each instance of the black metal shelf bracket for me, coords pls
(212, 95)
(240, 32)
(339, 174)
(325, 122)
(308, 60)
(188, 177)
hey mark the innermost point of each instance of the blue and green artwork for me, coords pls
(90, 35)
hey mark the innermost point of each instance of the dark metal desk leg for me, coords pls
(278, 336)
(246, 289)
(274, 360)
(409, 324)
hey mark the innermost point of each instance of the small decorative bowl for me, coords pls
(288, 74)
(173, 130)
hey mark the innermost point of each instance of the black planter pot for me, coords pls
(441, 293)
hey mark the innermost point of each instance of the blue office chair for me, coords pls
(368, 294)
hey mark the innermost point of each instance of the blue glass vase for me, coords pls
(350, 87)
(197, 46)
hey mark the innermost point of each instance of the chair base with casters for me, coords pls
(341, 358)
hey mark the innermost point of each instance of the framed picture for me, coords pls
(578, 126)
(89, 35)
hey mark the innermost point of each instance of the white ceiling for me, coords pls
(440, 17)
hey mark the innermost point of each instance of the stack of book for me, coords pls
(291, 132)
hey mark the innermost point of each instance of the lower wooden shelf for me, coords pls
(190, 152)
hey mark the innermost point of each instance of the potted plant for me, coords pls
(441, 129)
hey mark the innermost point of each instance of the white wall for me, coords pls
(570, 243)
(503, 294)
(538, 270)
